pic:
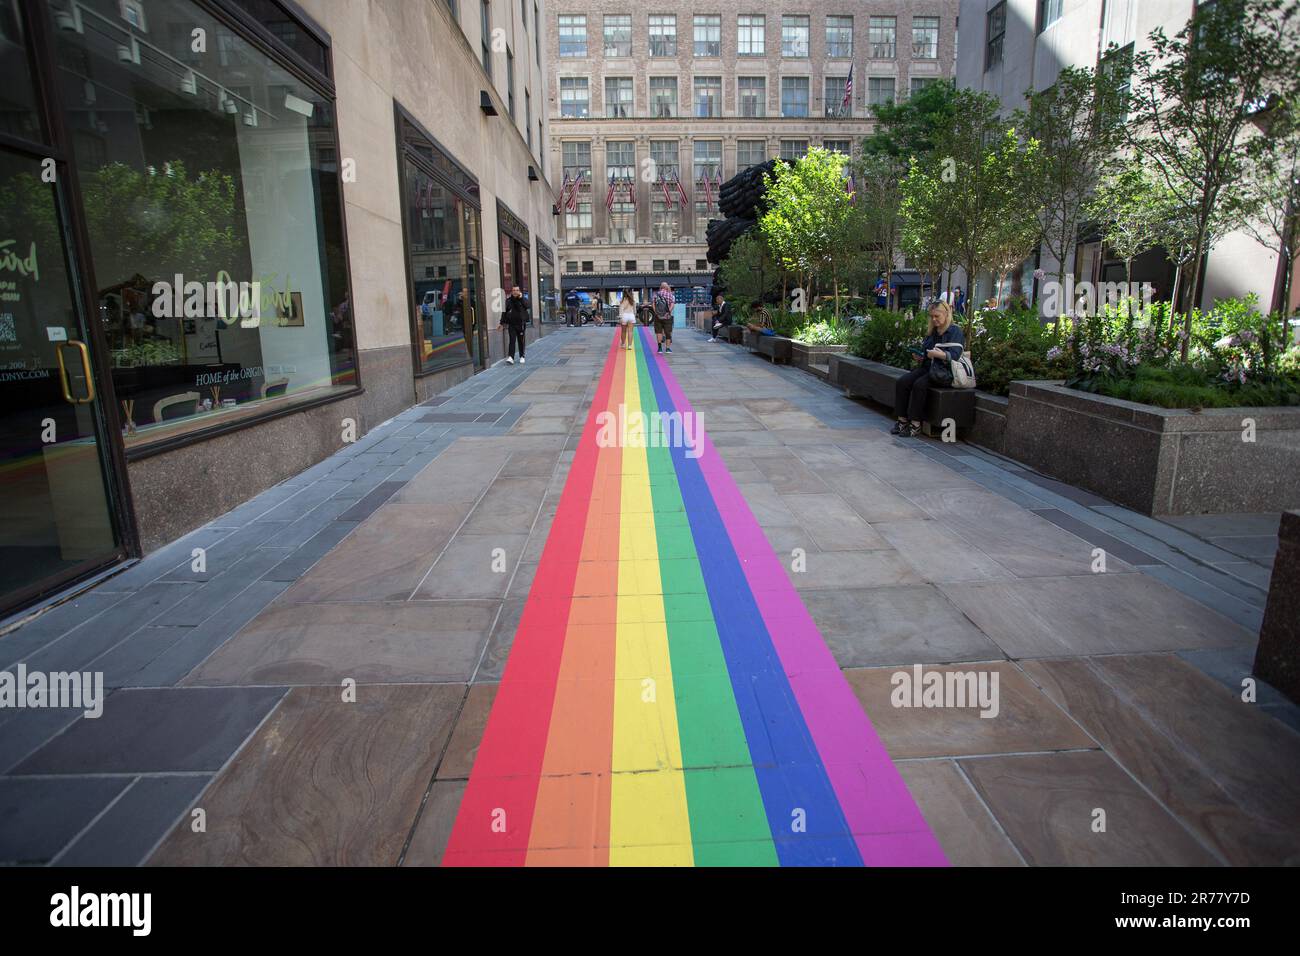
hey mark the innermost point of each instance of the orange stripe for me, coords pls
(571, 820)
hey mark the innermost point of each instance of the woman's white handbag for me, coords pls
(963, 370)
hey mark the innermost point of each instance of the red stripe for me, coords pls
(496, 813)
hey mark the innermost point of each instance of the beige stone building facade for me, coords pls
(650, 96)
(369, 177)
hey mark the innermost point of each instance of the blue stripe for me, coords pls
(790, 774)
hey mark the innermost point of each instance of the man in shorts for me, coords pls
(663, 304)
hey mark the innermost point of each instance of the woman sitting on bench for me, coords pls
(912, 389)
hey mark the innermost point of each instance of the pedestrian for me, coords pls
(663, 304)
(626, 319)
(882, 292)
(516, 319)
(912, 389)
(959, 302)
(721, 315)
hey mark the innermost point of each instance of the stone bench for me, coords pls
(874, 380)
(735, 334)
(775, 347)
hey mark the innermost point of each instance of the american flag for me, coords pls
(681, 190)
(848, 90)
(573, 193)
(708, 189)
(631, 191)
(609, 194)
(564, 192)
(667, 196)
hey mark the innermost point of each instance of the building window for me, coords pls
(751, 35)
(528, 119)
(656, 265)
(588, 265)
(664, 158)
(510, 82)
(576, 156)
(921, 82)
(835, 100)
(793, 149)
(574, 96)
(274, 324)
(570, 265)
(485, 38)
(708, 36)
(1118, 64)
(663, 35)
(663, 96)
(618, 97)
(573, 35)
(925, 38)
(615, 265)
(794, 36)
(703, 213)
(674, 265)
(708, 96)
(753, 95)
(844, 146)
(664, 219)
(577, 223)
(750, 152)
(441, 239)
(794, 96)
(880, 90)
(618, 35)
(1049, 11)
(882, 35)
(839, 37)
(537, 35)
(701, 265)
(995, 30)
(708, 162)
(620, 159)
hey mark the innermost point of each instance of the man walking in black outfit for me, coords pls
(516, 319)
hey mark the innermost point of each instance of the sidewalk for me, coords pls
(405, 562)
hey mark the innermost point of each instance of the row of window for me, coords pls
(706, 96)
(667, 193)
(630, 265)
(751, 36)
(485, 54)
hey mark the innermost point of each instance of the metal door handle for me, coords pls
(85, 370)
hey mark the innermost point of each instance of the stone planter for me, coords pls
(815, 358)
(735, 334)
(1277, 659)
(775, 347)
(1157, 460)
(990, 425)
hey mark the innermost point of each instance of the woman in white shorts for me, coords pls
(626, 319)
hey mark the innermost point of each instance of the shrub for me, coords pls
(829, 331)
(885, 336)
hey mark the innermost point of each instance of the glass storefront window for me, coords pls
(18, 113)
(441, 240)
(212, 202)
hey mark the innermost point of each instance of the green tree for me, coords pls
(1273, 197)
(1075, 124)
(749, 273)
(1132, 210)
(878, 178)
(971, 190)
(912, 127)
(805, 221)
(1194, 97)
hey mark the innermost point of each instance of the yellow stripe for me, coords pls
(648, 820)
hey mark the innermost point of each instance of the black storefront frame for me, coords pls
(39, 28)
(404, 154)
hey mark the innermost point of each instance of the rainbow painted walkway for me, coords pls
(668, 699)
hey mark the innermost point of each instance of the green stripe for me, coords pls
(728, 823)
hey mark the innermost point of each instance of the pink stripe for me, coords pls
(885, 820)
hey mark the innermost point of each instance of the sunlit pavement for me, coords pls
(480, 635)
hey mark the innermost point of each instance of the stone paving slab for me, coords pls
(914, 553)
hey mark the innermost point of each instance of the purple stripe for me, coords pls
(886, 823)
